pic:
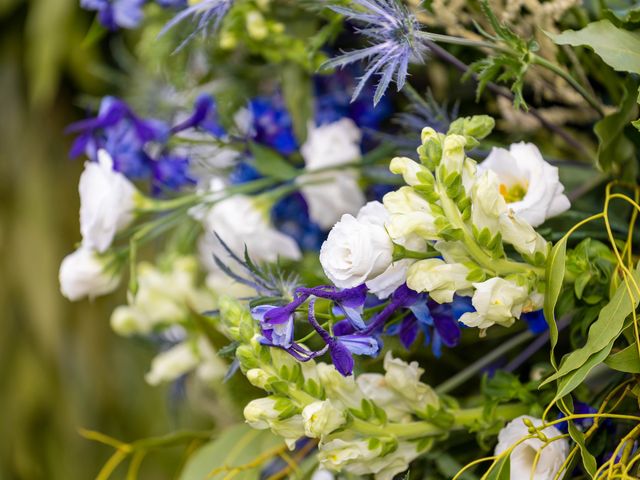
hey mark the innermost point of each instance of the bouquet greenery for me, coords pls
(393, 239)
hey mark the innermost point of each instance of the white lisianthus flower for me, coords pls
(410, 215)
(530, 185)
(241, 221)
(337, 192)
(356, 250)
(551, 457)
(107, 201)
(438, 278)
(321, 418)
(83, 273)
(497, 301)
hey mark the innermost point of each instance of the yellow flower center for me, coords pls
(514, 193)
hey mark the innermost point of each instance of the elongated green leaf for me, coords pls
(235, 447)
(616, 152)
(554, 276)
(271, 164)
(626, 360)
(588, 460)
(602, 332)
(618, 48)
(501, 470)
(298, 96)
(569, 382)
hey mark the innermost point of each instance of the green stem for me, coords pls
(400, 252)
(436, 37)
(464, 375)
(543, 62)
(463, 418)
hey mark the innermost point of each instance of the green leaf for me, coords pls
(626, 360)
(588, 460)
(554, 276)
(616, 152)
(271, 164)
(235, 447)
(618, 48)
(501, 470)
(602, 332)
(573, 379)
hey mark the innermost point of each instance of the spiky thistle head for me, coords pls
(394, 36)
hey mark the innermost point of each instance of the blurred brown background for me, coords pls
(61, 367)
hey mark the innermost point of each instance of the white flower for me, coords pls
(240, 221)
(551, 457)
(453, 153)
(440, 279)
(374, 387)
(172, 363)
(107, 201)
(490, 210)
(321, 418)
(337, 192)
(322, 474)
(410, 215)
(530, 185)
(408, 169)
(337, 386)
(496, 301)
(264, 413)
(404, 378)
(83, 273)
(356, 250)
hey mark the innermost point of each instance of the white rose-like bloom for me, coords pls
(107, 201)
(438, 278)
(530, 185)
(496, 301)
(338, 193)
(321, 418)
(522, 457)
(356, 250)
(82, 274)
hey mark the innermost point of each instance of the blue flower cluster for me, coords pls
(115, 14)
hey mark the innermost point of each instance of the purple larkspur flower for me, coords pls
(171, 171)
(392, 32)
(348, 301)
(204, 117)
(272, 124)
(342, 348)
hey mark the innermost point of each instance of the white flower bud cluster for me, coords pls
(347, 416)
(448, 232)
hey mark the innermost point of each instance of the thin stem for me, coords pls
(436, 37)
(475, 367)
(543, 62)
(503, 92)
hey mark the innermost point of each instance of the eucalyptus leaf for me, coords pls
(573, 379)
(618, 48)
(626, 360)
(603, 332)
(554, 276)
(616, 152)
(271, 164)
(588, 460)
(235, 447)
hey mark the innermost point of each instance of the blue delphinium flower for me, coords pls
(272, 124)
(171, 171)
(204, 117)
(209, 15)
(120, 132)
(392, 31)
(114, 14)
(536, 321)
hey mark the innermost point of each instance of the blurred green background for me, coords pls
(61, 367)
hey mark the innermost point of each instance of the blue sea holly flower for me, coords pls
(392, 32)
(207, 14)
(114, 14)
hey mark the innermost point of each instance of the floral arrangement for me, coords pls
(375, 272)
